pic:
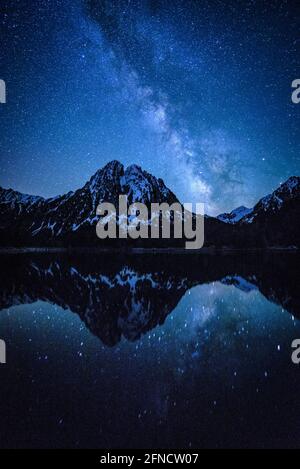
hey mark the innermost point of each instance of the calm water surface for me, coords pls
(149, 351)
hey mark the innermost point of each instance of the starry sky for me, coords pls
(195, 92)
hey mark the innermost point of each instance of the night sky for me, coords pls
(196, 92)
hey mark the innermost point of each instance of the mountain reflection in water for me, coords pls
(118, 295)
(194, 350)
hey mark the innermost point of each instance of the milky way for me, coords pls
(196, 92)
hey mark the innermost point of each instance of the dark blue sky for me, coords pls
(196, 92)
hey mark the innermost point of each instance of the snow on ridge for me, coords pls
(274, 201)
(72, 211)
(8, 196)
(271, 202)
(134, 169)
(291, 183)
(140, 186)
(236, 215)
(109, 172)
(135, 184)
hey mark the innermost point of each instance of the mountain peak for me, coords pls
(286, 191)
(141, 186)
(111, 169)
(71, 218)
(291, 183)
(110, 172)
(134, 169)
(112, 165)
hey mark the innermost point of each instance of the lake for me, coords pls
(156, 350)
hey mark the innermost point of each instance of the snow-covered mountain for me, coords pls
(270, 204)
(273, 203)
(73, 214)
(70, 219)
(14, 200)
(235, 215)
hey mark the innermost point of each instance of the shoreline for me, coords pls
(95, 250)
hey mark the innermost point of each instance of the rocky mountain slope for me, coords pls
(70, 219)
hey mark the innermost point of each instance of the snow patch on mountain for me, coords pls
(72, 216)
(9, 196)
(287, 190)
(271, 203)
(235, 216)
(275, 201)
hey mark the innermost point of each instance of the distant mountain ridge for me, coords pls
(234, 216)
(271, 203)
(70, 219)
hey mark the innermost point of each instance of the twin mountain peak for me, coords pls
(70, 219)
